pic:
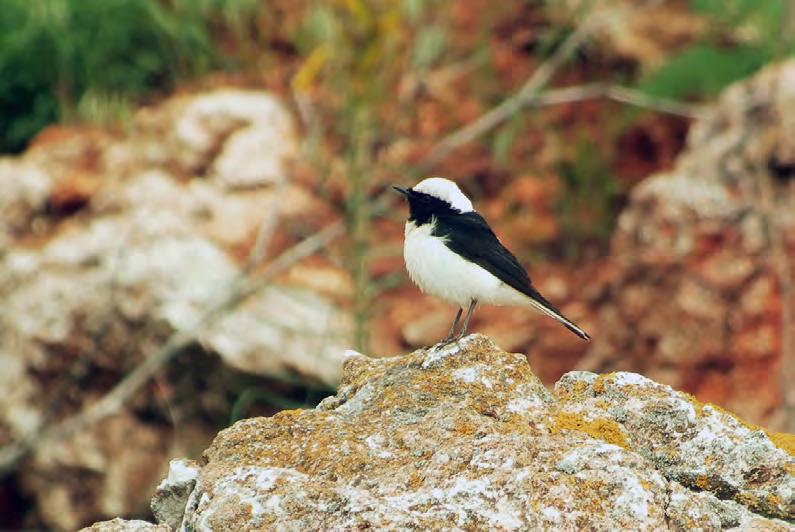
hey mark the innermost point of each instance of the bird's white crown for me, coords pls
(445, 190)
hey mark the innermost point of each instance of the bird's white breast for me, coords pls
(442, 273)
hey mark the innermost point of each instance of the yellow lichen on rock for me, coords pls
(601, 383)
(603, 429)
(785, 442)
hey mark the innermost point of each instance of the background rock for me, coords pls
(113, 246)
(25, 189)
(465, 436)
(243, 138)
(690, 295)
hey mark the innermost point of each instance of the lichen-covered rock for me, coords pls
(465, 437)
(691, 294)
(700, 446)
(171, 498)
(124, 525)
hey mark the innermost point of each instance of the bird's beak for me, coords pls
(402, 190)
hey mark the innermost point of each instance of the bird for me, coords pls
(451, 252)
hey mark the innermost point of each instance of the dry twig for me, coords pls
(530, 93)
(616, 93)
(537, 81)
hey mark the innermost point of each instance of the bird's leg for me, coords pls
(451, 334)
(472, 305)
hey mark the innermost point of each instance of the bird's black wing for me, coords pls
(470, 236)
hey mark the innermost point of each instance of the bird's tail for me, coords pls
(538, 302)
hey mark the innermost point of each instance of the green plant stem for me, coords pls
(359, 216)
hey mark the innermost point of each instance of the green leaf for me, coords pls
(430, 45)
(704, 70)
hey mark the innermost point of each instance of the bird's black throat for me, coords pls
(423, 207)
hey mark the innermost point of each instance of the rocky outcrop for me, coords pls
(123, 525)
(691, 294)
(466, 437)
(111, 244)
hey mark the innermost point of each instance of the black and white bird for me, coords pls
(452, 253)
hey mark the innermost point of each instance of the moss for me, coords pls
(698, 406)
(465, 427)
(603, 429)
(415, 480)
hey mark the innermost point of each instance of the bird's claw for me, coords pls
(445, 342)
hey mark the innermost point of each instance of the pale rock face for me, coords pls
(24, 191)
(155, 245)
(466, 437)
(168, 505)
(254, 131)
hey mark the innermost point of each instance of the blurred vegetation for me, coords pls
(67, 60)
(742, 36)
(255, 399)
(350, 49)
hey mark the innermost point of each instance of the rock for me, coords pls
(245, 138)
(697, 239)
(109, 465)
(171, 498)
(110, 245)
(124, 525)
(24, 192)
(700, 446)
(466, 437)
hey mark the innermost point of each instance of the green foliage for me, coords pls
(743, 36)
(430, 45)
(503, 140)
(704, 70)
(70, 59)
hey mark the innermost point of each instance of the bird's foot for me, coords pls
(445, 342)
